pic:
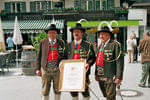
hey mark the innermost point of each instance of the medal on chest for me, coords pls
(108, 53)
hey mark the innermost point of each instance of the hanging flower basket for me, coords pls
(3, 12)
(121, 10)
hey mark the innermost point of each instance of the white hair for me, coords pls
(146, 33)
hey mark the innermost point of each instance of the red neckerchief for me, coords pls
(100, 54)
(76, 54)
(52, 54)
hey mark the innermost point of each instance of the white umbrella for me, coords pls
(17, 38)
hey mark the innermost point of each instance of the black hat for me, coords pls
(105, 29)
(78, 26)
(52, 27)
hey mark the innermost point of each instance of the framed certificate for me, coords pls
(72, 76)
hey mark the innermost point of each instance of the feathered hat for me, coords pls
(52, 26)
(108, 28)
(79, 26)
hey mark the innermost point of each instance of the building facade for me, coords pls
(20, 6)
(35, 15)
(143, 5)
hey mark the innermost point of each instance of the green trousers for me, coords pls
(108, 88)
(86, 93)
(145, 73)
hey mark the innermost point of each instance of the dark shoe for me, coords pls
(140, 85)
(148, 86)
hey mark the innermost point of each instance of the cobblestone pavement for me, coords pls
(20, 87)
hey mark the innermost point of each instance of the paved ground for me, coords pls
(14, 87)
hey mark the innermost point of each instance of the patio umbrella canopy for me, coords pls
(17, 38)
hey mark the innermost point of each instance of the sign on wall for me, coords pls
(138, 14)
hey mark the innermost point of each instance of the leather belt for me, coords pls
(102, 79)
(52, 69)
(52, 63)
(105, 79)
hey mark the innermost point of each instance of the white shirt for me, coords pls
(77, 42)
(99, 42)
(54, 41)
(106, 42)
(130, 44)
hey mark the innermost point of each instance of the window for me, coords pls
(38, 6)
(104, 4)
(15, 7)
(110, 4)
(87, 5)
(41, 5)
(77, 3)
(60, 4)
(32, 7)
(48, 5)
(90, 5)
(8, 6)
(18, 7)
(97, 5)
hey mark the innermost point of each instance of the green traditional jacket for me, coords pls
(112, 68)
(86, 51)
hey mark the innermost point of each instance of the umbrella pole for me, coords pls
(19, 72)
(17, 57)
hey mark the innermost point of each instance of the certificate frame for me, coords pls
(65, 81)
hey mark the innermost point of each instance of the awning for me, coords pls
(121, 23)
(30, 26)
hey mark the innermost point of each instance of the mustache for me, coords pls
(76, 35)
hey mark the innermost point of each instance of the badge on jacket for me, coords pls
(108, 53)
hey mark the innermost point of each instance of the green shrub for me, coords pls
(38, 38)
